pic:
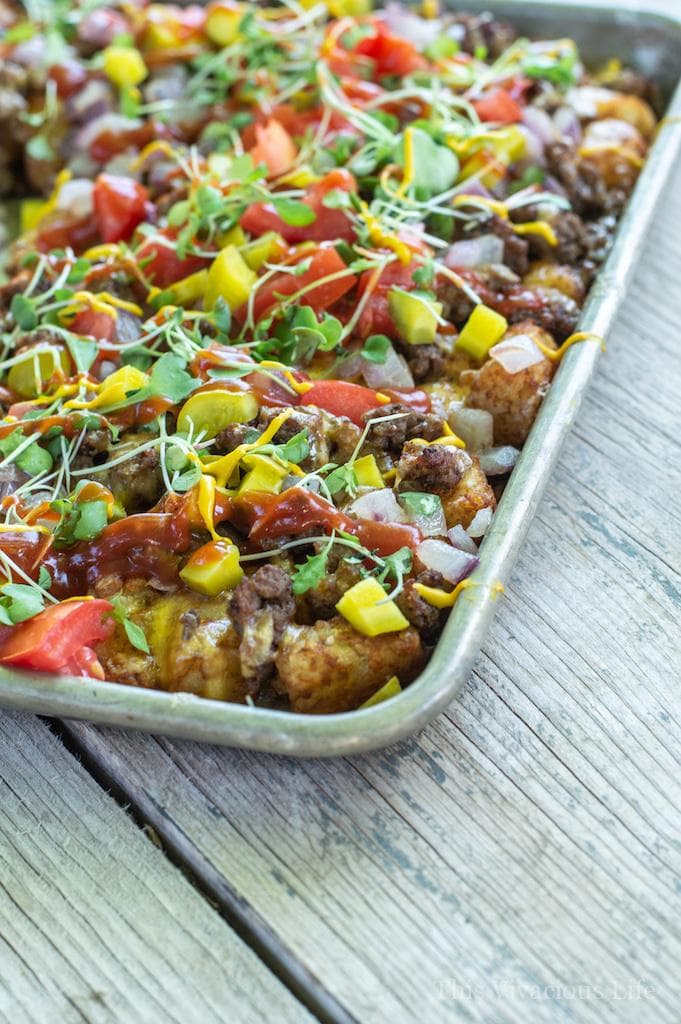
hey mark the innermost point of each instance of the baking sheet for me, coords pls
(652, 44)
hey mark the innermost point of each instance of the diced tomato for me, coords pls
(109, 143)
(415, 399)
(51, 639)
(61, 230)
(375, 317)
(164, 266)
(274, 147)
(498, 106)
(69, 77)
(323, 263)
(342, 398)
(386, 538)
(97, 325)
(120, 205)
(391, 54)
(83, 663)
(329, 225)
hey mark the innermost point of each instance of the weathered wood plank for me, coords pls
(520, 859)
(95, 924)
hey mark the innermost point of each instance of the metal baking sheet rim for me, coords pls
(187, 716)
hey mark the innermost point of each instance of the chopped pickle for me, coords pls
(209, 412)
(229, 277)
(483, 329)
(388, 690)
(415, 317)
(124, 65)
(367, 472)
(369, 610)
(188, 290)
(264, 474)
(268, 247)
(27, 377)
(222, 22)
(213, 568)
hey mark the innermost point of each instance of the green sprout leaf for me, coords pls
(376, 348)
(294, 212)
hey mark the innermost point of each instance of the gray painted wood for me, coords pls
(520, 860)
(96, 925)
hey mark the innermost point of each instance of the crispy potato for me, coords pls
(597, 102)
(616, 149)
(561, 277)
(330, 667)
(194, 646)
(632, 109)
(471, 495)
(512, 398)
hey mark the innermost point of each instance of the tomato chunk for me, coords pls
(391, 54)
(95, 324)
(274, 147)
(498, 106)
(386, 538)
(342, 398)
(52, 638)
(324, 263)
(160, 261)
(120, 205)
(328, 224)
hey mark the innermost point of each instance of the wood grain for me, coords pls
(96, 925)
(520, 860)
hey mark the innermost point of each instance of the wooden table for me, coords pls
(518, 862)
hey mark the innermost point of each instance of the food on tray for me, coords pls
(291, 285)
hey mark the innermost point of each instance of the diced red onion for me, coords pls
(497, 461)
(540, 124)
(124, 165)
(30, 53)
(480, 523)
(166, 84)
(474, 426)
(128, 327)
(460, 539)
(351, 367)
(450, 562)
(11, 477)
(393, 373)
(516, 353)
(475, 252)
(402, 22)
(434, 525)
(567, 124)
(534, 149)
(93, 100)
(379, 506)
(106, 367)
(100, 28)
(110, 122)
(475, 188)
(76, 197)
